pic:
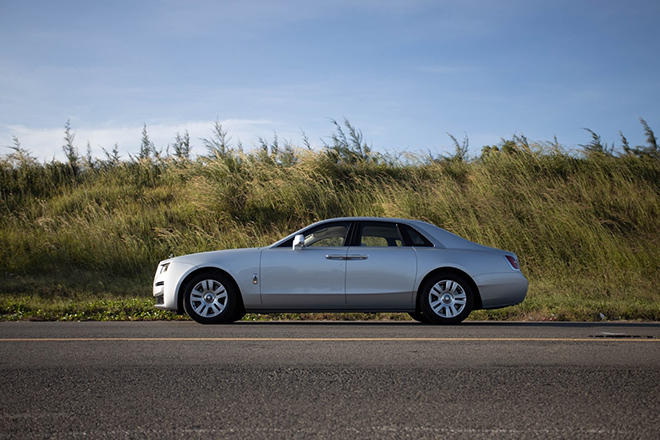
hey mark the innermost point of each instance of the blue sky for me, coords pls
(405, 72)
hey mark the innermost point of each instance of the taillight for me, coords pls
(513, 262)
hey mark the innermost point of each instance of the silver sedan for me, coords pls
(353, 264)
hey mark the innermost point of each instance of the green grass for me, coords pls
(82, 240)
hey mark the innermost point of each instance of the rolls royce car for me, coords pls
(352, 264)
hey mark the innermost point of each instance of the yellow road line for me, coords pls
(248, 339)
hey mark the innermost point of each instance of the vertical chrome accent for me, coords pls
(255, 279)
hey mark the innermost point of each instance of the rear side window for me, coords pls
(373, 234)
(414, 238)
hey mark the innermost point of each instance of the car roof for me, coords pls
(438, 236)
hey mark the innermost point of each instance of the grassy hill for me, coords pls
(81, 239)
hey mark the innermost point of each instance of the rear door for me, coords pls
(381, 269)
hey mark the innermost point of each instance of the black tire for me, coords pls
(212, 298)
(419, 317)
(446, 298)
(238, 314)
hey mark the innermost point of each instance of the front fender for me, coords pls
(240, 264)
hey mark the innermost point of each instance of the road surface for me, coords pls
(328, 379)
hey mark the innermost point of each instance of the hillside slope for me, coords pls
(586, 228)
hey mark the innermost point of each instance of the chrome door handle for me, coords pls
(346, 257)
(335, 257)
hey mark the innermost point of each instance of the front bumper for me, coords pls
(167, 283)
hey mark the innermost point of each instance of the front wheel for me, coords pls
(446, 299)
(419, 317)
(211, 298)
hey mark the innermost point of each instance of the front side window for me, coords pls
(327, 236)
(380, 235)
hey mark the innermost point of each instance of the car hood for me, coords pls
(202, 258)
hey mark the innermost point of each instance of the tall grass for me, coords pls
(585, 226)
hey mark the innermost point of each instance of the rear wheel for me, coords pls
(211, 298)
(446, 298)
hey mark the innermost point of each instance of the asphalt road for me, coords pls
(329, 380)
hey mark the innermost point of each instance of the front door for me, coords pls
(309, 278)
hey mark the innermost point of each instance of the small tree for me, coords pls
(70, 151)
(182, 146)
(596, 147)
(651, 150)
(113, 157)
(461, 150)
(218, 144)
(20, 156)
(88, 160)
(146, 147)
(349, 148)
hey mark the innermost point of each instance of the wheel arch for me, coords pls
(452, 270)
(194, 273)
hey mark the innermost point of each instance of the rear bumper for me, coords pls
(501, 289)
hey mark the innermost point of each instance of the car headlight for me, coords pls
(164, 267)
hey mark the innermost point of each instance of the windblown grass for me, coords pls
(83, 241)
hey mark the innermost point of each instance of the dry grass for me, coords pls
(585, 228)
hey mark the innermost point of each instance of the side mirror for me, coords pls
(298, 242)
